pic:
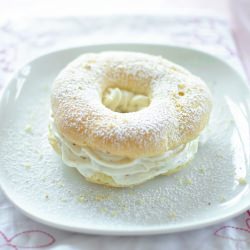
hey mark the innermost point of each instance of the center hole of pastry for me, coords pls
(124, 101)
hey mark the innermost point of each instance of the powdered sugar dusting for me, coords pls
(173, 117)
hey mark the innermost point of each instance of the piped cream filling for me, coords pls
(124, 101)
(124, 171)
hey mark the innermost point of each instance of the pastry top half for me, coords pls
(129, 104)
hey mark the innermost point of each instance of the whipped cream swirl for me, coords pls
(124, 171)
(124, 101)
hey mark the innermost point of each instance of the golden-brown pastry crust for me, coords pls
(179, 108)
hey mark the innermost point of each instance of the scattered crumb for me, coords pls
(139, 202)
(242, 181)
(181, 85)
(60, 184)
(102, 197)
(202, 170)
(28, 129)
(173, 68)
(87, 66)
(81, 198)
(124, 207)
(111, 125)
(114, 213)
(106, 211)
(187, 181)
(219, 156)
(46, 196)
(27, 165)
(103, 210)
(172, 215)
(222, 199)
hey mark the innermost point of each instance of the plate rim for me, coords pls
(145, 230)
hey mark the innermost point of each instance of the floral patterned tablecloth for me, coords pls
(24, 39)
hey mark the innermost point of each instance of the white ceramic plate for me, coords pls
(208, 191)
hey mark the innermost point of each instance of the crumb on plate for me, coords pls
(202, 170)
(27, 165)
(242, 181)
(28, 129)
(101, 197)
(172, 215)
(81, 198)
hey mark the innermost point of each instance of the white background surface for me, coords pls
(13, 8)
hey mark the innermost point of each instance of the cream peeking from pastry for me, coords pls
(122, 118)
